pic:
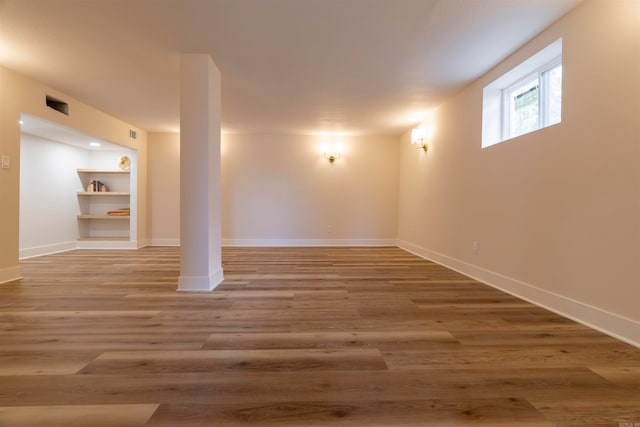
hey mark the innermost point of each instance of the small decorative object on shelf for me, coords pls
(119, 212)
(124, 162)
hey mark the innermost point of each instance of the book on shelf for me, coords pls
(96, 186)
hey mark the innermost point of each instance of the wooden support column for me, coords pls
(200, 225)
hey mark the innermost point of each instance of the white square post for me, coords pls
(200, 225)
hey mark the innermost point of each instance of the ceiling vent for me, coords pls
(57, 105)
(133, 134)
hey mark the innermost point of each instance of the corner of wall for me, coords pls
(10, 274)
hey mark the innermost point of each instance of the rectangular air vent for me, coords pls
(133, 134)
(57, 105)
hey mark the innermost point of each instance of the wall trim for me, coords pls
(200, 283)
(47, 249)
(107, 244)
(164, 242)
(616, 326)
(141, 243)
(69, 246)
(308, 242)
(10, 274)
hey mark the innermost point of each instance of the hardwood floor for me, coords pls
(296, 336)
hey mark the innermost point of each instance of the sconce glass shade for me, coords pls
(415, 135)
(334, 154)
(418, 136)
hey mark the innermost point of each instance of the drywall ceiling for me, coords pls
(291, 66)
(45, 129)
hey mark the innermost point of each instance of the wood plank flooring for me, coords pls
(293, 337)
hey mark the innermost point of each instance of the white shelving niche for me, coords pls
(96, 227)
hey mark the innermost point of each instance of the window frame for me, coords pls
(545, 86)
(541, 76)
(496, 104)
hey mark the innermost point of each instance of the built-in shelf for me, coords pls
(102, 193)
(94, 224)
(87, 216)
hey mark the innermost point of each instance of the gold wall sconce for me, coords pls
(419, 136)
(332, 155)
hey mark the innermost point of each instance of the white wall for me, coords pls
(49, 203)
(164, 189)
(279, 189)
(108, 159)
(48, 200)
(556, 212)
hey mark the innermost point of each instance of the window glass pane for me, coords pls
(524, 108)
(524, 99)
(553, 77)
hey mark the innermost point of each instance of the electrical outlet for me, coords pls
(6, 162)
(475, 247)
(329, 229)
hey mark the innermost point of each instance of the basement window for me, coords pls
(525, 99)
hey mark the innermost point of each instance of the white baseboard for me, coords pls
(200, 283)
(89, 244)
(619, 327)
(107, 244)
(47, 249)
(10, 274)
(164, 242)
(308, 242)
(141, 243)
(287, 242)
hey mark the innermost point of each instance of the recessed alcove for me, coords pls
(57, 212)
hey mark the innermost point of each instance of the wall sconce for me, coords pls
(332, 155)
(418, 136)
